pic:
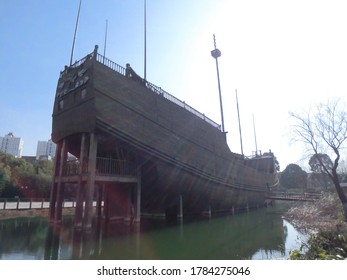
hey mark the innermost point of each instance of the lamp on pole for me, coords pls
(215, 54)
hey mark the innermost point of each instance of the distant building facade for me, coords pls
(45, 149)
(12, 145)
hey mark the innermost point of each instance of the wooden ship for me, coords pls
(131, 149)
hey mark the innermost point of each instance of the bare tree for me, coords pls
(319, 173)
(325, 131)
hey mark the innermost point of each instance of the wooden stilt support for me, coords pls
(208, 212)
(129, 213)
(60, 185)
(103, 199)
(180, 208)
(99, 202)
(52, 201)
(106, 203)
(53, 194)
(60, 203)
(80, 191)
(138, 196)
(79, 206)
(93, 144)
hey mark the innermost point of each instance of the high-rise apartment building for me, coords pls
(12, 145)
(45, 149)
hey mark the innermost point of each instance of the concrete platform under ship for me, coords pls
(137, 150)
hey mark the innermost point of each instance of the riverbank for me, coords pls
(11, 214)
(323, 220)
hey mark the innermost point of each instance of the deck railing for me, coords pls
(110, 64)
(294, 196)
(109, 166)
(33, 203)
(181, 103)
(72, 167)
(158, 90)
(104, 166)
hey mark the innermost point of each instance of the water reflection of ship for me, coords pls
(257, 232)
(232, 237)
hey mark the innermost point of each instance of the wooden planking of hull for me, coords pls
(181, 154)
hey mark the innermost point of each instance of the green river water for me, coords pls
(258, 234)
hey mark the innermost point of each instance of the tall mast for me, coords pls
(255, 137)
(74, 37)
(105, 40)
(145, 42)
(215, 54)
(238, 115)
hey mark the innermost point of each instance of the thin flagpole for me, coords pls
(145, 41)
(74, 37)
(105, 41)
(215, 54)
(255, 137)
(238, 114)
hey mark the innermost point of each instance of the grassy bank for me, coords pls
(323, 219)
(11, 214)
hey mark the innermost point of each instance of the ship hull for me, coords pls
(182, 157)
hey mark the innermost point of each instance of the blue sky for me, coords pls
(281, 56)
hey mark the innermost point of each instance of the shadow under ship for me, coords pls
(130, 145)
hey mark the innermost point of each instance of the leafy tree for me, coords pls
(20, 178)
(325, 131)
(293, 177)
(22, 174)
(42, 178)
(5, 172)
(10, 190)
(4, 178)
